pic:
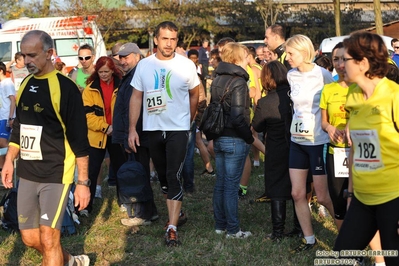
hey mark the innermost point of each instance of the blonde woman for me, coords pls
(231, 148)
(306, 80)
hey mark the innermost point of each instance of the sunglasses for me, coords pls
(81, 58)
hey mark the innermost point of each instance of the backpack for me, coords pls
(70, 218)
(212, 122)
(133, 183)
(10, 214)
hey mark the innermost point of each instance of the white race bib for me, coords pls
(17, 83)
(367, 155)
(30, 142)
(302, 128)
(341, 162)
(156, 102)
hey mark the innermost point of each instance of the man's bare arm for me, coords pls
(194, 95)
(82, 193)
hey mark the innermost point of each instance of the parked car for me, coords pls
(255, 43)
(328, 44)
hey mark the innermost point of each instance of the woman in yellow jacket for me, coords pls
(99, 100)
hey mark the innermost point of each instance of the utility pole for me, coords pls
(378, 17)
(337, 16)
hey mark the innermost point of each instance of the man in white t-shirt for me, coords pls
(18, 71)
(166, 87)
(7, 108)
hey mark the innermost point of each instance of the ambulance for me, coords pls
(68, 33)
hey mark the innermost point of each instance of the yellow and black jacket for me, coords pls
(95, 112)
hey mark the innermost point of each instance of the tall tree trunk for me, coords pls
(337, 16)
(46, 8)
(378, 18)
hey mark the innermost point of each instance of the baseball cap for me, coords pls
(115, 48)
(128, 48)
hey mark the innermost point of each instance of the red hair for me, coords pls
(102, 61)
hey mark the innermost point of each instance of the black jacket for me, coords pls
(120, 120)
(236, 103)
(273, 117)
(281, 56)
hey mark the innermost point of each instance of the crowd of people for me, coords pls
(334, 137)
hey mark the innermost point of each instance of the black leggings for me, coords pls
(336, 188)
(168, 150)
(117, 157)
(362, 222)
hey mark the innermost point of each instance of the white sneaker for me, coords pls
(98, 192)
(82, 260)
(84, 213)
(323, 212)
(239, 235)
(135, 221)
(220, 232)
(256, 163)
(123, 208)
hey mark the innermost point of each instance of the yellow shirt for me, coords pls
(375, 142)
(333, 99)
(251, 83)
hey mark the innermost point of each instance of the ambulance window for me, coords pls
(69, 47)
(5, 52)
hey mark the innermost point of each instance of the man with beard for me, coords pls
(49, 136)
(169, 84)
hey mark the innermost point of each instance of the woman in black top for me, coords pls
(273, 117)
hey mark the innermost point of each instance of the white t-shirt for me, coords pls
(165, 85)
(306, 90)
(6, 90)
(18, 75)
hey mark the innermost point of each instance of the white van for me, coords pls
(68, 33)
(328, 44)
(255, 43)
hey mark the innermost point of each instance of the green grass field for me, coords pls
(107, 242)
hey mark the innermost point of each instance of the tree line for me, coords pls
(197, 19)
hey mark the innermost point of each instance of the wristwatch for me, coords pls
(86, 183)
(347, 194)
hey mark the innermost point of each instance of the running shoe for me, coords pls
(220, 231)
(239, 235)
(154, 177)
(171, 239)
(82, 260)
(242, 193)
(263, 198)
(84, 213)
(303, 246)
(205, 173)
(98, 192)
(123, 208)
(136, 221)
